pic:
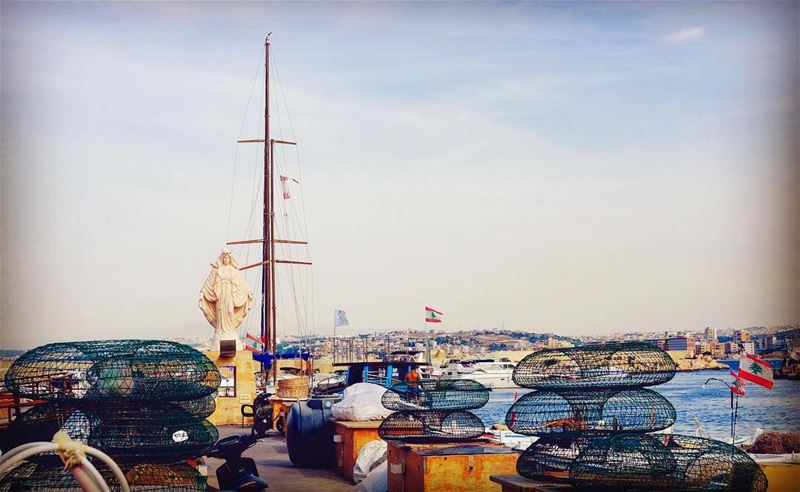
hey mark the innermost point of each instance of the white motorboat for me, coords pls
(488, 372)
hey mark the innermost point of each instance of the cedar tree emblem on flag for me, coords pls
(755, 370)
(432, 315)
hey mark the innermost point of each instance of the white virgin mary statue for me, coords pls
(225, 298)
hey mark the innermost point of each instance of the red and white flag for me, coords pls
(285, 187)
(252, 343)
(432, 315)
(738, 384)
(755, 370)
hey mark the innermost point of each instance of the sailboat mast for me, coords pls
(267, 295)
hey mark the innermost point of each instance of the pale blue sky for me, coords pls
(567, 167)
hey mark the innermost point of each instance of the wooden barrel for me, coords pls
(293, 387)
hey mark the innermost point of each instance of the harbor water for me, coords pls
(772, 410)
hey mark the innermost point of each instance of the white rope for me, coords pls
(72, 453)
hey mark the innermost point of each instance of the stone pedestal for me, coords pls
(228, 409)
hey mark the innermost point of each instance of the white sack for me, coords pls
(376, 481)
(361, 401)
(369, 456)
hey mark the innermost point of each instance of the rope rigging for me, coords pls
(289, 217)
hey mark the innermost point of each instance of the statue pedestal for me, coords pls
(237, 388)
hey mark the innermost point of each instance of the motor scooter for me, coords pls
(237, 473)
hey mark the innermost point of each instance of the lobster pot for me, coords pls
(550, 457)
(127, 431)
(141, 478)
(612, 365)
(113, 369)
(431, 426)
(665, 462)
(158, 478)
(443, 394)
(573, 411)
(296, 387)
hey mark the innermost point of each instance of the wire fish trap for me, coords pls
(665, 462)
(158, 478)
(126, 431)
(612, 365)
(431, 426)
(113, 369)
(573, 411)
(141, 478)
(441, 394)
(550, 457)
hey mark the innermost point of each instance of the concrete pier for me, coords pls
(274, 466)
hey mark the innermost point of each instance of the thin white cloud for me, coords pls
(685, 35)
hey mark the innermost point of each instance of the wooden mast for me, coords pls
(267, 286)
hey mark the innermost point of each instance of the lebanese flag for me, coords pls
(755, 370)
(432, 315)
(738, 384)
(252, 343)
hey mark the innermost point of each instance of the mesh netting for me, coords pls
(613, 365)
(577, 410)
(431, 426)
(129, 369)
(141, 478)
(127, 431)
(551, 456)
(665, 462)
(442, 394)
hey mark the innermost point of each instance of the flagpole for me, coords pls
(334, 336)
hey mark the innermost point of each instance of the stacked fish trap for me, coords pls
(592, 413)
(143, 403)
(431, 411)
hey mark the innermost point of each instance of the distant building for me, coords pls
(741, 336)
(657, 342)
(765, 342)
(792, 340)
(710, 334)
(680, 343)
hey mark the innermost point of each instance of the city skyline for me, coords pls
(586, 168)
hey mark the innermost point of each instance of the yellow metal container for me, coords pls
(782, 477)
(462, 467)
(349, 438)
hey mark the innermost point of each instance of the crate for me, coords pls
(349, 438)
(462, 467)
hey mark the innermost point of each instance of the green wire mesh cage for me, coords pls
(127, 431)
(613, 365)
(113, 369)
(550, 457)
(441, 394)
(141, 478)
(431, 426)
(578, 410)
(665, 462)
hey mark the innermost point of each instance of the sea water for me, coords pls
(772, 410)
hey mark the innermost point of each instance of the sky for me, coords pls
(574, 168)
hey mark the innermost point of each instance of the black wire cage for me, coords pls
(113, 369)
(127, 431)
(665, 462)
(431, 426)
(436, 394)
(141, 478)
(550, 457)
(612, 365)
(573, 411)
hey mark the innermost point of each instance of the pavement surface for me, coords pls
(274, 466)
